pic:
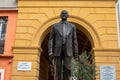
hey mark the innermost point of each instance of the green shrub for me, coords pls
(84, 69)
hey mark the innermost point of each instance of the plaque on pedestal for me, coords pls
(107, 73)
(24, 66)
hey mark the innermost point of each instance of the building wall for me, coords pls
(101, 15)
(6, 58)
(12, 4)
(35, 18)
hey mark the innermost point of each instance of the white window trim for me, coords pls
(2, 74)
(118, 21)
(1, 23)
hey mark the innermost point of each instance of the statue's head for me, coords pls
(64, 15)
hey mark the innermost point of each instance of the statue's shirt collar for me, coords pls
(62, 22)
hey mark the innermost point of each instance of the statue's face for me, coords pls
(64, 15)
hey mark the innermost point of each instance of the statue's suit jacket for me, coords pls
(56, 40)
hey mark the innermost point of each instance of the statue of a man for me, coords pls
(62, 46)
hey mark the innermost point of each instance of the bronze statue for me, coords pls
(62, 46)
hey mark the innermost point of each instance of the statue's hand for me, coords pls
(51, 56)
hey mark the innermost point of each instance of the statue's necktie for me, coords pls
(64, 33)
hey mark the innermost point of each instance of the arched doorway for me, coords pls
(88, 39)
(84, 44)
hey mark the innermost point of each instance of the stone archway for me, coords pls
(87, 28)
(87, 39)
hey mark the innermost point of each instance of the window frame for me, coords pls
(3, 21)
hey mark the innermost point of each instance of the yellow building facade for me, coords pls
(96, 19)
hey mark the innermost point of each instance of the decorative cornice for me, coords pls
(8, 8)
(66, 0)
(66, 3)
(107, 49)
(26, 49)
